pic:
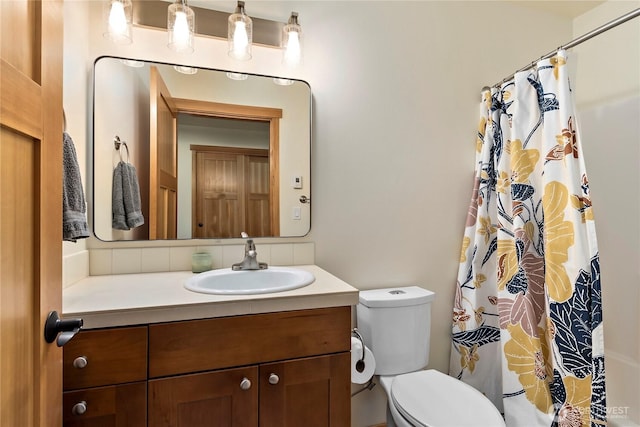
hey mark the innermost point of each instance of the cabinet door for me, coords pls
(113, 406)
(312, 392)
(226, 398)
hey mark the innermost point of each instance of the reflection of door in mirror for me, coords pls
(232, 192)
(163, 167)
(229, 195)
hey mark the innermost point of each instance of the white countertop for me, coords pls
(132, 299)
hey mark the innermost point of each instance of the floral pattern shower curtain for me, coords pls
(527, 316)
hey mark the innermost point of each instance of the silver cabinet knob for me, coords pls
(274, 379)
(79, 408)
(80, 362)
(245, 384)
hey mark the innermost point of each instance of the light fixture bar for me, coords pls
(213, 23)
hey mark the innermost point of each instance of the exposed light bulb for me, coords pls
(240, 34)
(293, 53)
(180, 26)
(282, 82)
(181, 30)
(117, 19)
(185, 70)
(240, 39)
(237, 76)
(292, 42)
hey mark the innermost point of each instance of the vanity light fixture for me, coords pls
(180, 26)
(292, 42)
(118, 18)
(239, 29)
(240, 34)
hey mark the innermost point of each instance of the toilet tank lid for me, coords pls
(396, 297)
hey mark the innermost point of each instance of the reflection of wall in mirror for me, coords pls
(122, 110)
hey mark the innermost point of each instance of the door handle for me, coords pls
(64, 329)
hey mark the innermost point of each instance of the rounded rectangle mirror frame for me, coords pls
(249, 139)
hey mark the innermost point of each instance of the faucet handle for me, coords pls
(244, 235)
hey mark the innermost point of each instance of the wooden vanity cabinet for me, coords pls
(296, 362)
(276, 369)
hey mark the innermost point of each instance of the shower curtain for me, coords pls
(527, 315)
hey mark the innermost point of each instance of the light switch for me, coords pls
(296, 213)
(296, 181)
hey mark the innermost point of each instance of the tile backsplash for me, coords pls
(97, 261)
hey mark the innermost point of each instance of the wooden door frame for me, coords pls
(158, 204)
(251, 113)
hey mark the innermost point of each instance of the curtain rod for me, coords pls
(583, 38)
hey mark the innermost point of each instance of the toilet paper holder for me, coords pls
(360, 362)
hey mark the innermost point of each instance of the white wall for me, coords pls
(395, 112)
(607, 88)
(76, 84)
(396, 104)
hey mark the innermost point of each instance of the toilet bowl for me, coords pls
(432, 399)
(395, 325)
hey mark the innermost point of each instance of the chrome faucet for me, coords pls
(250, 261)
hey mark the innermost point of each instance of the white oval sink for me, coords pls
(229, 282)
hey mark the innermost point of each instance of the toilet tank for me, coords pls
(395, 324)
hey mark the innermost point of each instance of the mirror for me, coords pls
(213, 153)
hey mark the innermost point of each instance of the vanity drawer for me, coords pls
(112, 356)
(122, 405)
(201, 345)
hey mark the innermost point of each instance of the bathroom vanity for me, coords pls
(182, 358)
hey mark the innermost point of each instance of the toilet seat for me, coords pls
(433, 399)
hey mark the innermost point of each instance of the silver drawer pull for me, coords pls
(245, 384)
(79, 408)
(274, 379)
(80, 362)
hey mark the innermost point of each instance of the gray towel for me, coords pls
(125, 198)
(74, 208)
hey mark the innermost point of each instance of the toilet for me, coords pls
(395, 324)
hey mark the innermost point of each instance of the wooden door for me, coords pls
(312, 392)
(232, 192)
(219, 202)
(163, 165)
(31, 210)
(227, 398)
(257, 204)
